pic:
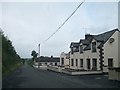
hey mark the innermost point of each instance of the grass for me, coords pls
(11, 69)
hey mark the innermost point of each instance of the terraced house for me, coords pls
(96, 52)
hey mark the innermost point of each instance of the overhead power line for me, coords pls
(63, 23)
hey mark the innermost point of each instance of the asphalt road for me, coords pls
(29, 77)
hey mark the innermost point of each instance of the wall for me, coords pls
(75, 56)
(114, 74)
(111, 51)
(48, 63)
(66, 61)
(72, 57)
(62, 56)
(90, 55)
(85, 55)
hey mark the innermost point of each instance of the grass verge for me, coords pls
(11, 69)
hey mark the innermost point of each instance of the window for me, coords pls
(110, 62)
(72, 50)
(93, 46)
(55, 64)
(81, 49)
(94, 62)
(81, 62)
(76, 62)
(72, 62)
(62, 61)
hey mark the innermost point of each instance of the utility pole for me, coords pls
(39, 50)
(39, 55)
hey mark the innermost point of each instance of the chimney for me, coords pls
(51, 56)
(87, 36)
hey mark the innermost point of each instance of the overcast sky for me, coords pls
(29, 23)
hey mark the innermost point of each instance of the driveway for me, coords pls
(29, 77)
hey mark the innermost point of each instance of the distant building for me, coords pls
(45, 61)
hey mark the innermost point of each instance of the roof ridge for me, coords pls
(107, 31)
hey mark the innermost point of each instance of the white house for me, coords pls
(65, 59)
(114, 71)
(96, 52)
(47, 61)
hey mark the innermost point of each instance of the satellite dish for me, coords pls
(111, 40)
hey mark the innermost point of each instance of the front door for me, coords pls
(88, 64)
(110, 62)
(94, 63)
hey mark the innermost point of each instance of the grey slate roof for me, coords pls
(100, 38)
(87, 40)
(48, 59)
(104, 36)
(74, 44)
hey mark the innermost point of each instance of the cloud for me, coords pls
(28, 24)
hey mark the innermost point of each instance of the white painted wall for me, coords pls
(111, 51)
(85, 55)
(72, 56)
(90, 55)
(76, 56)
(66, 61)
(62, 55)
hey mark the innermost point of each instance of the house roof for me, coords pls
(87, 41)
(77, 49)
(88, 38)
(48, 59)
(74, 44)
(104, 36)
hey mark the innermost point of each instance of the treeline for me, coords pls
(10, 59)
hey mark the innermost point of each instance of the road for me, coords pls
(29, 77)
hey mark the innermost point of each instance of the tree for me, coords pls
(34, 54)
(10, 58)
